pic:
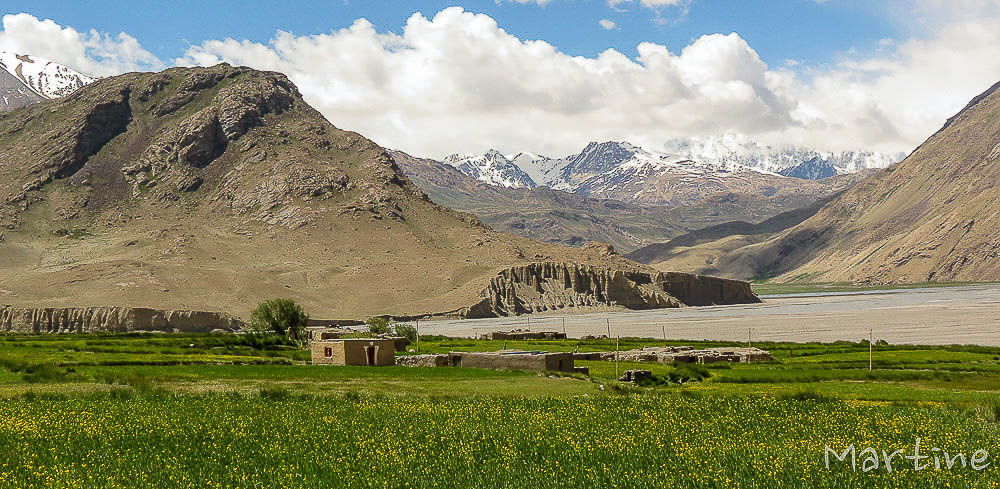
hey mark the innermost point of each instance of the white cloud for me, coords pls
(650, 3)
(457, 82)
(607, 24)
(92, 53)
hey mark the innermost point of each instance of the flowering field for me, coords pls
(161, 440)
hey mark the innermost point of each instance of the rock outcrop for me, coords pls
(112, 320)
(550, 286)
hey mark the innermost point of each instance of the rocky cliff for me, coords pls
(112, 320)
(552, 286)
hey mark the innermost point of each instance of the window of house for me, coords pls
(328, 352)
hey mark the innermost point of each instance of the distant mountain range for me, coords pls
(686, 171)
(25, 80)
(573, 218)
(932, 217)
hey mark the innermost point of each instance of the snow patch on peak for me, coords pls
(730, 149)
(43, 77)
(493, 168)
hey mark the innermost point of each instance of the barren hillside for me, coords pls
(933, 217)
(213, 189)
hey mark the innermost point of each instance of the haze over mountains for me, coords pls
(25, 80)
(932, 217)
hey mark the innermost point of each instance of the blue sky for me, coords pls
(467, 76)
(802, 30)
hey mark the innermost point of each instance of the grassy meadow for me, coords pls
(225, 411)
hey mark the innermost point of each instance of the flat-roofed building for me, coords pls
(354, 351)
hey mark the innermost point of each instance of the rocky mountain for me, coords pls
(209, 189)
(932, 217)
(572, 219)
(735, 150)
(26, 80)
(542, 213)
(492, 168)
(642, 176)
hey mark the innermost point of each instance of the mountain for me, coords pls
(932, 217)
(732, 150)
(544, 214)
(26, 80)
(642, 176)
(492, 168)
(216, 188)
(697, 251)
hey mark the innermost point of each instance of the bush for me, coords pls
(282, 316)
(378, 325)
(688, 372)
(407, 331)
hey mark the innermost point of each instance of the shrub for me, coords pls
(282, 316)
(378, 325)
(407, 331)
(688, 372)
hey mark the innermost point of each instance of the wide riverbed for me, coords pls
(946, 315)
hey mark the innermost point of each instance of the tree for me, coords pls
(378, 325)
(282, 316)
(406, 331)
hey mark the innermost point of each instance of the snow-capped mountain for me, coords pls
(688, 170)
(785, 160)
(25, 80)
(493, 168)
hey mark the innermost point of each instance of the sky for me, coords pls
(548, 76)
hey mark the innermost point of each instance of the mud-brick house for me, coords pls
(532, 361)
(354, 351)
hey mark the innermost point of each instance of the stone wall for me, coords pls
(112, 320)
(550, 286)
(528, 361)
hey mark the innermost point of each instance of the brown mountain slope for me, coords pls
(933, 217)
(697, 251)
(544, 214)
(212, 189)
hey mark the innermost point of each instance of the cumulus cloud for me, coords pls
(93, 53)
(608, 24)
(458, 82)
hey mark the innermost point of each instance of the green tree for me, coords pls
(282, 316)
(377, 325)
(406, 331)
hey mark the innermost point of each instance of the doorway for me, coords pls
(370, 351)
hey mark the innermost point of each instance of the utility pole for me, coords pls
(663, 329)
(529, 322)
(749, 337)
(871, 338)
(609, 327)
(418, 335)
(564, 328)
(616, 356)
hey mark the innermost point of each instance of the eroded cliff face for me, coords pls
(112, 320)
(550, 286)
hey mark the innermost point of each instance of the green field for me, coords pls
(198, 411)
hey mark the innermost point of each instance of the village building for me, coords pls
(354, 351)
(532, 361)
(521, 335)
